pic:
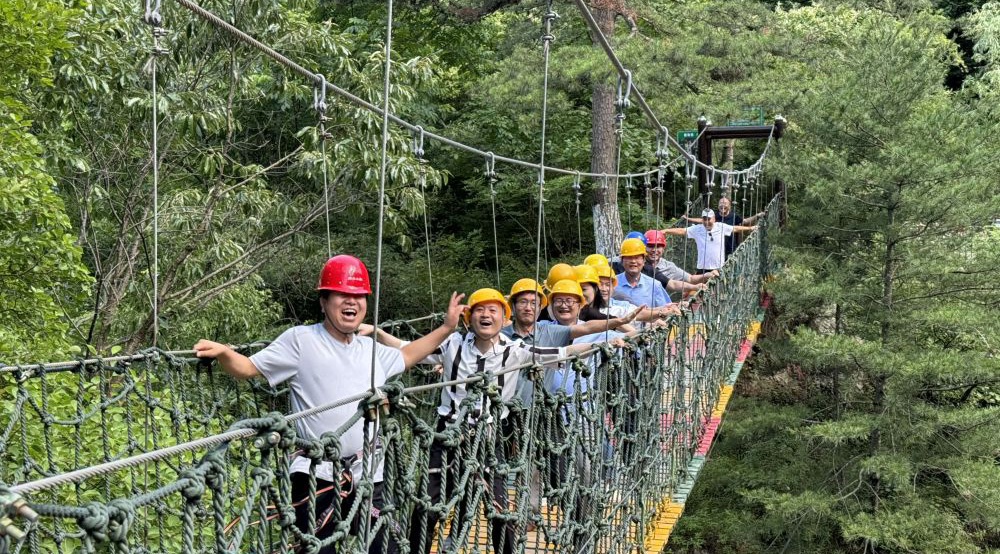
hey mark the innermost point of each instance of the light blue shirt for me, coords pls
(649, 291)
(565, 378)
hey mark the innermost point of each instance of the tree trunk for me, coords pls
(879, 379)
(607, 222)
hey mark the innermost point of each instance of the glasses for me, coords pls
(524, 302)
(564, 301)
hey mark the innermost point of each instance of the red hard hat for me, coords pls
(344, 274)
(654, 236)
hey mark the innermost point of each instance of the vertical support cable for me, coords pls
(576, 193)
(491, 178)
(319, 104)
(547, 39)
(381, 174)
(368, 464)
(628, 192)
(153, 18)
(418, 151)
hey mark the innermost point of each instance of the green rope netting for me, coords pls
(581, 469)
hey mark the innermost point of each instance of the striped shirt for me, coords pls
(461, 359)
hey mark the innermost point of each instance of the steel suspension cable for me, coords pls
(153, 18)
(368, 466)
(491, 178)
(579, 233)
(427, 233)
(381, 176)
(625, 73)
(356, 100)
(547, 39)
(319, 104)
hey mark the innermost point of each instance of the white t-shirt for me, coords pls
(319, 370)
(461, 359)
(618, 308)
(711, 250)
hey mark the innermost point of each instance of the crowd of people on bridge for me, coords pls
(574, 309)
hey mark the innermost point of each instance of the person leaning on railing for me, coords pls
(709, 237)
(322, 363)
(483, 349)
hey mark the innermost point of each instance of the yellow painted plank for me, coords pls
(659, 533)
(724, 396)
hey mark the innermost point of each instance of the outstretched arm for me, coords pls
(753, 219)
(744, 228)
(673, 285)
(423, 347)
(365, 329)
(703, 278)
(675, 231)
(231, 361)
(599, 325)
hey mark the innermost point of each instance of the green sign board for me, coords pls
(686, 138)
(751, 116)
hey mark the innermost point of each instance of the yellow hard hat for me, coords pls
(596, 260)
(528, 285)
(633, 247)
(558, 273)
(487, 295)
(605, 271)
(587, 274)
(567, 286)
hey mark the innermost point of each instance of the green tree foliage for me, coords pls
(869, 422)
(869, 426)
(41, 277)
(241, 162)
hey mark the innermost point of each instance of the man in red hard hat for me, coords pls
(322, 363)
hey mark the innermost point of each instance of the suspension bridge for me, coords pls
(160, 451)
(154, 452)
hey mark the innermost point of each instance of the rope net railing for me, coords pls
(162, 452)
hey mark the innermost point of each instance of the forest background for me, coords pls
(868, 420)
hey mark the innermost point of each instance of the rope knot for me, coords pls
(195, 487)
(264, 474)
(121, 516)
(311, 448)
(309, 544)
(287, 516)
(215, 476)
(95, 523)
(331, 445)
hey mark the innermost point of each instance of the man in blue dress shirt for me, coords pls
(633, 285)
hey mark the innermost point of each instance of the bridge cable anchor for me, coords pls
(13, 505)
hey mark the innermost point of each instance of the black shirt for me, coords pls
(733, 240)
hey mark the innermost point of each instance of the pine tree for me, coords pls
(874, 423)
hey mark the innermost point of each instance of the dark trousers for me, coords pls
(424, 522)
(582, 474)
(381, 543)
